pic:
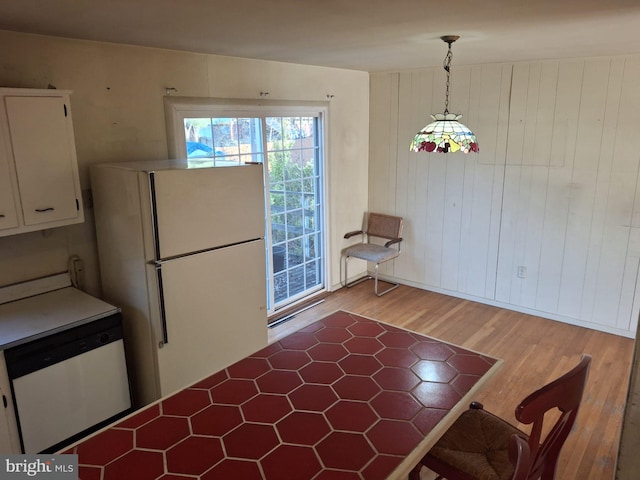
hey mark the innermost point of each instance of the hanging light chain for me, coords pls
(447, 68)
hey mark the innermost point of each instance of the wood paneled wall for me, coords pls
(553, 189)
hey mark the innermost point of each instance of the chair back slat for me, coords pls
(563, 394)
(384, 226)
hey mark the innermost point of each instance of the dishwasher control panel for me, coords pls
(49, 350)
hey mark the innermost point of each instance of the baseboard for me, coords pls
(516, 308)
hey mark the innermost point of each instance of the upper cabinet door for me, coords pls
(44, 155)
(8, 214)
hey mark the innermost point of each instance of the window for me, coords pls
(224, 141)
(289, 141)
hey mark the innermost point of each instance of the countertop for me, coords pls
(344, 398)
(37, 316)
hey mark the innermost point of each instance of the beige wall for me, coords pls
(118, 115)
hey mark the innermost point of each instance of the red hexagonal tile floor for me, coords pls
(343, 398)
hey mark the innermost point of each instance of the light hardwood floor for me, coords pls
(535, 351)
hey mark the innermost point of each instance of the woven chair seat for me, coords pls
(478, 446)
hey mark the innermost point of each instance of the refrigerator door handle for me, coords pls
(154, 215)
(163, 312)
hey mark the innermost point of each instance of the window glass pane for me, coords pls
(277, 199)
(296, 280)
(308, 156)
(279, 233)
(228, 141)
(274, 133)
(279, 258)
(198, 137)
(294, 224)
(313, 274)
(224, 138)
(293, 195)
(276, 168)
(228, 161)
(309, 185)
(294, 172)
(294, 252)
(281, 291)
(311, 241)
(310, 221)
(290, 132)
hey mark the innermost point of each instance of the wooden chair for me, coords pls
(476, 445)
(378, 226)
(520, 456)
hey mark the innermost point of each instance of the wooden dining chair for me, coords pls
(377, 226)
(476, 446)
(520, 456)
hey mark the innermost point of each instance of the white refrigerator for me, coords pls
(182, 253)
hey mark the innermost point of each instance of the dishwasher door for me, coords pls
(63, 387)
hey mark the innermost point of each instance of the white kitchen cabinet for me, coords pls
(8, 213)
(39, 182)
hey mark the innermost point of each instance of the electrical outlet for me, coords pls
(522, 271)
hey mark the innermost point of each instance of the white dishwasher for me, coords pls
(67, 371)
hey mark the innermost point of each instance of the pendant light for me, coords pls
(445, 134)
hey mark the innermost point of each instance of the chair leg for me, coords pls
(346, 276)
(366, 277)
(375, 289)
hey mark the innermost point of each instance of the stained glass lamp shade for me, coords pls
(445, 134)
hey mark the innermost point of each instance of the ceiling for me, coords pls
(371, 35)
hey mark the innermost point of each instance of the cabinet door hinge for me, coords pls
(65, 109)
(4, 401)
(77, 205)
